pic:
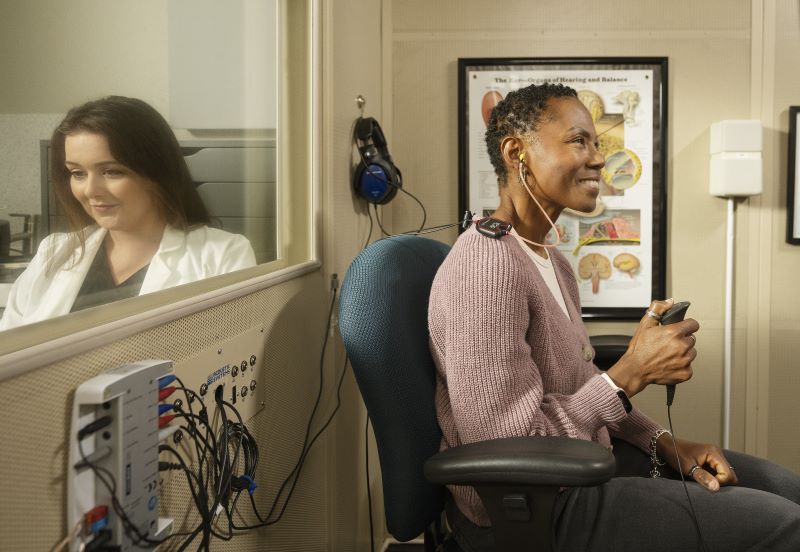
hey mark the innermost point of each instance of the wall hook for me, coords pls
(361, 102)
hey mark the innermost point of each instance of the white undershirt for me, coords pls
(547, 271)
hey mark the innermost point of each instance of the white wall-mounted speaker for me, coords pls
(736, 166)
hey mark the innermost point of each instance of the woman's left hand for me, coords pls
(714, 469)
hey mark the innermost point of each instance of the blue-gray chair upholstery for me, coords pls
(383, 317)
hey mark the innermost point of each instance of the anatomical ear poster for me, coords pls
(618, 250)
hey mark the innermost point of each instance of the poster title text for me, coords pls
(562, 80)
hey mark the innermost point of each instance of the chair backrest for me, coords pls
(383, 317)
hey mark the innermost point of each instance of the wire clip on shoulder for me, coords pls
(467, 220)
(493, 228)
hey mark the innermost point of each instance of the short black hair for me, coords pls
(520, 113)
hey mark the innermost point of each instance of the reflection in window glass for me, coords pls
(210, 68)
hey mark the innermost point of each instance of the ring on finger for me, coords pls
(692, 470)
(653, 314)
(693, 338)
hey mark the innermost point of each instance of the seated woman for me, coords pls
(513, 359)
(137, 223)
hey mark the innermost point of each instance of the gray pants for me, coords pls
(633, 512)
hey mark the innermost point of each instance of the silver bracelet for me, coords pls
(655, 461)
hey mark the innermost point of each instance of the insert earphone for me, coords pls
(376, 178)
(523, 180)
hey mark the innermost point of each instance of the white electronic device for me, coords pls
(115, 419)
(736, 165)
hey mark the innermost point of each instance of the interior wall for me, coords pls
(352, 67)
(784, 265)
(35, 411)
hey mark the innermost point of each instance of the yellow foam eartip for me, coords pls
(522, 156)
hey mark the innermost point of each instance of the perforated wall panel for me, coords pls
(35, 409)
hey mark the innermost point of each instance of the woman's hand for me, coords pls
(713, 468)
(657, 354)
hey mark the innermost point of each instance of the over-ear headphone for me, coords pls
(376, 179)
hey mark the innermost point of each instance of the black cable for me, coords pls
(248, 444)
(199, 495)
(224, 484)
(218, 466)
(265, 521)
(111, 486)
(369, 235)
(316, 404)
(685, 488)
(203, 417)
(209, 444)
(316, 436)
(208, 515)
(378, 218)
(196, 486)
(464, 223)
(424, 212)
(223, 449)
(369, 491)
(294, 474)
(429, 230)
(439, 228)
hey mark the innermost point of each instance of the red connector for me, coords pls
(95, 519)
(165, 420)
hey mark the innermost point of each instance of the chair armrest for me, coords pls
(550, 461)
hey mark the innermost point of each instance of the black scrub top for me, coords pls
(99, 287)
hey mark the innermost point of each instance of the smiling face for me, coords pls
(114, 196)
(563, 157)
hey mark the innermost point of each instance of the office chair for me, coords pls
(608, 349)
(383, 320)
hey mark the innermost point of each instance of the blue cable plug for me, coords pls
(166, 380)
(251, 485)
(165, 408)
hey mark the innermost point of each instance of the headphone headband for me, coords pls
(368, 128)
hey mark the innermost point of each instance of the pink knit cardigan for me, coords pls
(509, 362)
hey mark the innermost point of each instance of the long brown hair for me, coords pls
(142, 140)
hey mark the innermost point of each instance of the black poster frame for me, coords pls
(792, 179)
(659, 66)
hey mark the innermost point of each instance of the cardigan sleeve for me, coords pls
(637, 429)
(480, 315)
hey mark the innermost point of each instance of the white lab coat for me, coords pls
(181, 258)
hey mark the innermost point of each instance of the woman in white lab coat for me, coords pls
(137, 223)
